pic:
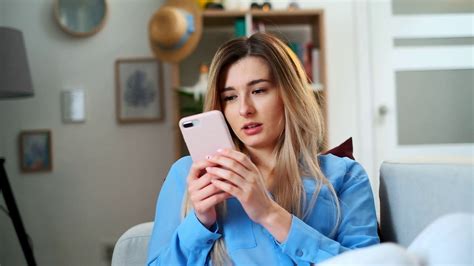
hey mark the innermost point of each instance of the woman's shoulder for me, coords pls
(180, 169)
(183, 162)
(339, 170)
(330, 164)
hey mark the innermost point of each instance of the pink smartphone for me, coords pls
(205, 133)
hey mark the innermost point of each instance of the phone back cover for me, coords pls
(209, 133)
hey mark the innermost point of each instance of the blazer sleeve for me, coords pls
(176, 241)
(357, 228)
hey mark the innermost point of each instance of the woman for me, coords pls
(273, 200)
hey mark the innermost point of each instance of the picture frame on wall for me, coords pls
(35, 151)
(139, 90)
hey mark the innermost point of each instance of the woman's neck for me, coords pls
(261, 157)
(264, 159)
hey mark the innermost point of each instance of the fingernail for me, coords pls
(220, 150)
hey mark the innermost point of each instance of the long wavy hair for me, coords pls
(298, 145)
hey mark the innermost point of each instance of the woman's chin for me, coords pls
(255, 143)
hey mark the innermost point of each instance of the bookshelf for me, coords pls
(293, 26)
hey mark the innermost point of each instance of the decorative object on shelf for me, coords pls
(265, 6)
(139, 90)
(81, 18)
(199, 89)
(175, 29)
(293, 5)
(35, 151)
(15, 82)
(214, 5)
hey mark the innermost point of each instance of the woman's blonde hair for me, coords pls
(298, 145)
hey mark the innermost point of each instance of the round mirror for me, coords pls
(81, 17)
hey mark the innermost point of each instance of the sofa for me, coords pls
(412, 195)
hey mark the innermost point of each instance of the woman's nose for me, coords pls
(246, 107)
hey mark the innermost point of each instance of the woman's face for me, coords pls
(252, 104)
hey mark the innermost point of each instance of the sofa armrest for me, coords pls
(132, 246)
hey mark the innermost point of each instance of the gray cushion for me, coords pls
(132, 246)
(412, 195)
(447, 241)
(385, 254)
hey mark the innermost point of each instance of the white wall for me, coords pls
(106, 176)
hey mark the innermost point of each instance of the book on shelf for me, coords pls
(239, 27)
(258, 26)
(310, 60)
(316, 66)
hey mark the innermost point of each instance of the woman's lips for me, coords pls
(252, 129)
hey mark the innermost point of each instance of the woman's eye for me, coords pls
(258, 91)
(229, 98)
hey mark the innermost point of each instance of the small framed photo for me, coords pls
(35, 151)
(139, 90)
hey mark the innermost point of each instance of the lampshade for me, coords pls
(15, 79)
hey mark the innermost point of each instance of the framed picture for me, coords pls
(35, 151)
(139, 90)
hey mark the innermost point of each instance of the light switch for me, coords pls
(73, 108)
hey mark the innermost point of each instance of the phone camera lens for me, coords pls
(188, 124)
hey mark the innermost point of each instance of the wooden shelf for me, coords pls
(288, 17)
(285, 17)
(222, 13)
(278, 13)
(221, 18)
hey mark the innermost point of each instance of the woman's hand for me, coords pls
(203, 194)
(237, 175)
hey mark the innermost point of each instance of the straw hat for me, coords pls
(175, 29)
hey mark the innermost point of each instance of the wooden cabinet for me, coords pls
(294, 27)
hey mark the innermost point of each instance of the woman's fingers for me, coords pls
(227, 187)
(198, 169)
(199, 183)
(205, 192)
(240, 157)
(210, 202)
(229, 163)
(228, 175)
